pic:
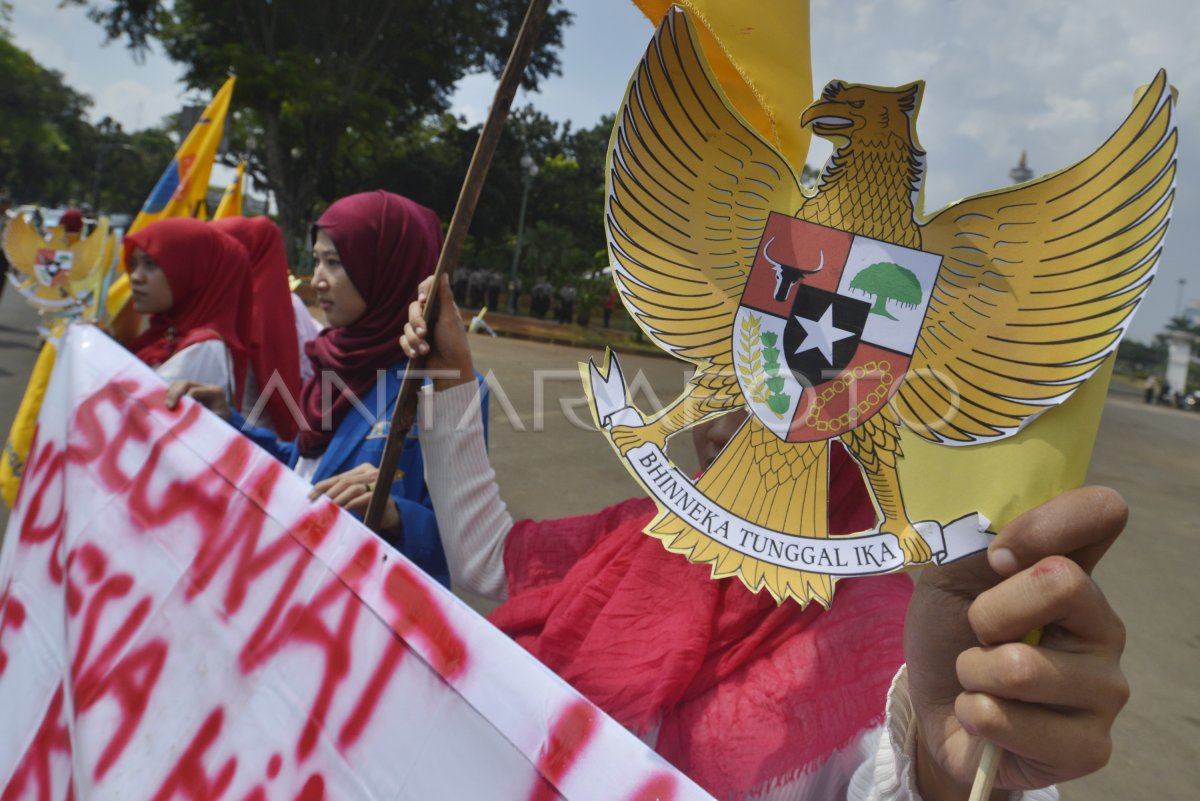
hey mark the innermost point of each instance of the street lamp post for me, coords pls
(530, 169)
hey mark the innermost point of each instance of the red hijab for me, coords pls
(209, 275)
(748, 694)
(273, 344)
(388, 244)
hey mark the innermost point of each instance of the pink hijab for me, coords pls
(388, 244)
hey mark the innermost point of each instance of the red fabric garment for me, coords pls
(209, 274)
(273, 346)
(388, 244)
(748, 694)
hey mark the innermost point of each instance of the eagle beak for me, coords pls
(825, 114)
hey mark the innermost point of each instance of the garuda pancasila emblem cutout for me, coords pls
(840, 316)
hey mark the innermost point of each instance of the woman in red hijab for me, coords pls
(194, 282)
(274, 352)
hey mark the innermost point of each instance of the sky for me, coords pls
(1053, 78)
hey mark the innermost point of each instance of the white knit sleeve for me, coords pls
(472, 519)
(888, 775)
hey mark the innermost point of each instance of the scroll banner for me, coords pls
(864, 554)
(177, 620)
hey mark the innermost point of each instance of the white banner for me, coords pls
(178, 620)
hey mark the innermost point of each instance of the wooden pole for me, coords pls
(989, 760)
(405, 410)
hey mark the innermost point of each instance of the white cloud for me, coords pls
(135, 104)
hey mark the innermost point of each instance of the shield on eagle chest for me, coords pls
(827, 326)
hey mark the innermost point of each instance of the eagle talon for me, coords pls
(626, 438)
(916, 549)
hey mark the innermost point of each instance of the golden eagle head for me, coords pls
(869, 115)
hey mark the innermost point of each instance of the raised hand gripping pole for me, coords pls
(404, 412)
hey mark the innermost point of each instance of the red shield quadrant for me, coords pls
(827, 326)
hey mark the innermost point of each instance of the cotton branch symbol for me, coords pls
(888, 281)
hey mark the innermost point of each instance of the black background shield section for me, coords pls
(849, 314)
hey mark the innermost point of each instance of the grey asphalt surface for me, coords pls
(550, 464)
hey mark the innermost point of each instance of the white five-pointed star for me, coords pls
(820, 335)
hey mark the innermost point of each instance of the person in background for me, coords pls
(370, 251)
(610, 302)
(274, 343)
(194, 283)
(307, 329)
(459, 282)
(476, 288)
(514, 294)
(72, 225)
(754, 699)
(5, 207)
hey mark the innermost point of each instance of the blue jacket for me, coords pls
(358, 439)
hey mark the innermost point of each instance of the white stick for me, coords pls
(986, 773)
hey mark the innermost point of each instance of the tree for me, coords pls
(888, 281)
(126, 166)
(42, 158)
(325, 85)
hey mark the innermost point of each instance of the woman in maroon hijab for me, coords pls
(370, 251)
(194, 283)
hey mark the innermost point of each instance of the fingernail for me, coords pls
(420, 332)
(1003, 561)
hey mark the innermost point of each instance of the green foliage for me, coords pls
(51, 154)
(334, 91)
(888, 281)
(42, 152)
(1138, 358)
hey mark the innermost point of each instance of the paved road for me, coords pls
(19, 347)
(551, 465)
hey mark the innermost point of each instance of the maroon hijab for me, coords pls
(388, 244)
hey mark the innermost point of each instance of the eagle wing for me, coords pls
(21, 245)
(1038, 282)
(89, 252)
(689, 188)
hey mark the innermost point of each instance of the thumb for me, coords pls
(1080, 523)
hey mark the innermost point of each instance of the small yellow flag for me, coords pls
(231, 201)
(760, 54)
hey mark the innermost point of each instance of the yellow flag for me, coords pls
(231, 201)
(20, 436)
(760, 54)
(180, 192)
(181, 189)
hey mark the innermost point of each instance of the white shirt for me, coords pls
(206, 362)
